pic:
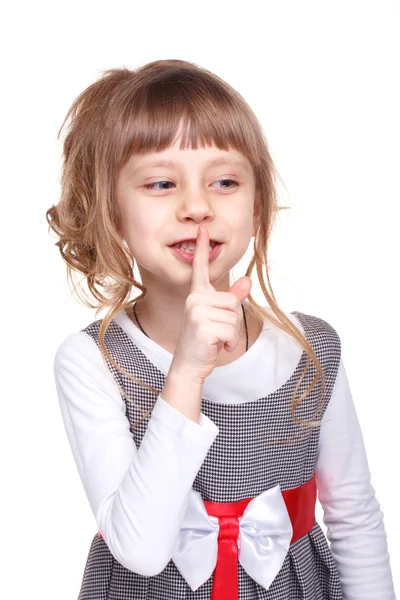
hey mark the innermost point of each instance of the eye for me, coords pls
(230, 180)
(149, 186)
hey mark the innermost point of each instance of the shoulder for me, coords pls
(75, 351)
(84, 342)
(81, 373)
(324, 339)
(315, 325)
(306, 323)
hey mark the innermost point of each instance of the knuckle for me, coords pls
(235, 302)
(192, 300)
(238, 324)
(235, 319)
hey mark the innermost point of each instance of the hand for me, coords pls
(211, 319)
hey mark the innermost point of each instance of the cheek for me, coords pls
(242, 234)
(243, 223)
(143, 236)
(135, 220)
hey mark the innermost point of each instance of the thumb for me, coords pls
(241, 288)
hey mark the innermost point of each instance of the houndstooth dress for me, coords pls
(242, 462)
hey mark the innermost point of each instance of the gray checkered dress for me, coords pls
(243, 461)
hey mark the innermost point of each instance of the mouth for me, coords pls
(191, 244)
(186, 253)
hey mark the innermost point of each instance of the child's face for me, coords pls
(182, 197)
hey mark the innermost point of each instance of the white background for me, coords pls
(322, 78)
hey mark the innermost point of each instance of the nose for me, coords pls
(195, 205)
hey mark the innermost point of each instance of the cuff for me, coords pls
(202, 434)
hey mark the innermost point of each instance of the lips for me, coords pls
(181, 244)
(194, 240)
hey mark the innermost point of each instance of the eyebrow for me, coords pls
(211, 163)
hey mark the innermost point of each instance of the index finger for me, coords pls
(200, 264)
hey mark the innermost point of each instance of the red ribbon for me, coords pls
(300, 504)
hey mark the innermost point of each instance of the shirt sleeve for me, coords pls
(138, 496)
(352, 513)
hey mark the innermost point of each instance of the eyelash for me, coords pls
(150, 185)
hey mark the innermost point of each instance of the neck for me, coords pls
(168, 335)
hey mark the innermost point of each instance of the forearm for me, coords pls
(141, 521)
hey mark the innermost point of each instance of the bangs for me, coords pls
(181, 104)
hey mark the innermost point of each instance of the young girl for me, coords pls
(201, 423)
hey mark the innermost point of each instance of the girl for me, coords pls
(201, 423)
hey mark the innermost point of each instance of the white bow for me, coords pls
(265, 532)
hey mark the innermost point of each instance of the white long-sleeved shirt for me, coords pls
(136, 493)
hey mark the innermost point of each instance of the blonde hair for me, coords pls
(136, 111)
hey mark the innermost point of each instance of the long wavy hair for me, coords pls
(136, 111)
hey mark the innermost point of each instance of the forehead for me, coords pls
(174, 157)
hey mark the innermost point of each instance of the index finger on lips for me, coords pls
(200, 264)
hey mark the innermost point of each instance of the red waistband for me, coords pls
(300, 504)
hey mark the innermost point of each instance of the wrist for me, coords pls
(185, 374)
